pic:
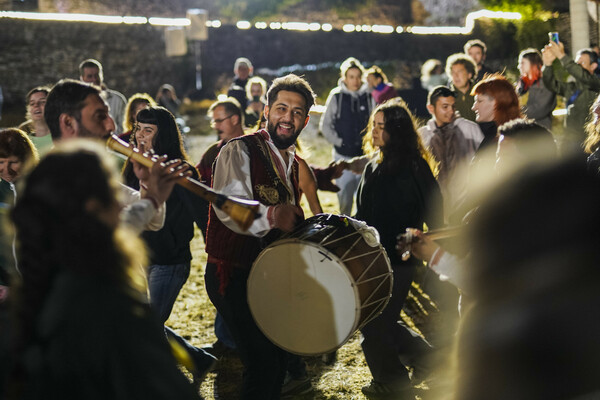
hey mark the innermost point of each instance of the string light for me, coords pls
(295, 26)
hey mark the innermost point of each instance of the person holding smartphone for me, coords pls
(579, 93)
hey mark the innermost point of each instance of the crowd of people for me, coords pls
(92, 261)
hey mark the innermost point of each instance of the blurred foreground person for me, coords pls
(532, 332)
(82, 326)
(397, 190)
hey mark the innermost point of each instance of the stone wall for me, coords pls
(35, 52)
(39, 52)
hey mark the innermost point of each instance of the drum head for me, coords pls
(303, 298)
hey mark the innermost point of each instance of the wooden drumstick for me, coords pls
(242, 211)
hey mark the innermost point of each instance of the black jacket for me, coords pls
(394, 201)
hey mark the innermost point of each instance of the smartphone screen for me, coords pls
(553, 36)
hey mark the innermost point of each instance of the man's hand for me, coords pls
(285, 216)
(338, 168)
(557, 49)
(158, 182)
(422, 247)
(547, 56)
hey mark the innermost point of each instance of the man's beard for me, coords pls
(282, 143)
(84, 133)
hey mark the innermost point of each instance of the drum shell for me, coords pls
(323, 263)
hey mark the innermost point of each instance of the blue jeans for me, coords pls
(164, 284)
(348, 184)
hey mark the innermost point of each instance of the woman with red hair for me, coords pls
(537, 99)
(496, 102)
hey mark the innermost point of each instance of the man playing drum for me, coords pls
(259, 166)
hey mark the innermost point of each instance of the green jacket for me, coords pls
(578, 110)
(464, 103)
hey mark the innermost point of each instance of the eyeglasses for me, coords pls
(218, 121)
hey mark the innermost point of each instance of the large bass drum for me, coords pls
(311, 290)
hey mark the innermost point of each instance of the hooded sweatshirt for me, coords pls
(345, 118)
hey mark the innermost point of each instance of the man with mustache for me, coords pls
(77, 110)
(259, 166)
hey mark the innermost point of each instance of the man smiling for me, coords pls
(259, 166)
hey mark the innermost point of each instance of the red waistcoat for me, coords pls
(234, 249)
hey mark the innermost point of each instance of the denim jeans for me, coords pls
(164, 284)
(348, 184)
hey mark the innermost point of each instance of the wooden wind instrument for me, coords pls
(242, 211)
(404, 241)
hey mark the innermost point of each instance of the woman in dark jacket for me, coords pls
(397, 190)
(169, 248)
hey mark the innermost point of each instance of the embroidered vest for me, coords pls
(241, 250)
